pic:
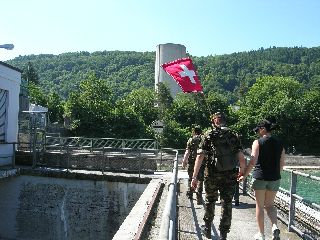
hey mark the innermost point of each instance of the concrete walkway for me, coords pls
(244, 226)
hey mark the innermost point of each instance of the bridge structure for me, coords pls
(168, 213)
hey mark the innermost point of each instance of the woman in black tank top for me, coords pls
(267, 158)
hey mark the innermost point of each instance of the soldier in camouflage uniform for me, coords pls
(222, 151)
(190, 158)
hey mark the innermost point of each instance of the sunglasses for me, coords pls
(256, 130)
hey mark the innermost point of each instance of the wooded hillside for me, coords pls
(230, 74)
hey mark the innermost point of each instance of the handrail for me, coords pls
(168, 221)
(292, 202)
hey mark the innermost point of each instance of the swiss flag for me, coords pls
(182, 71)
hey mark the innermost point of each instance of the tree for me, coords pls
(184, 110)
(55, 107)
(227, 79)
(30, 74)
(174, 136)
(164, 100)
(36, 95)
(127, 123)
(188, 110)
(142, 102)
(276, 98)
(310, 115)
(91, 108)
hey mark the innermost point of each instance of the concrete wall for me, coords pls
(54, 208)
(167, 53)
(135, 225)
(10, 80)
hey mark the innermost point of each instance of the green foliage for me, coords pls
(126, 123)
(231, 75)
(164, 100)
(284, 100)
(217, 102)
(235, 73)
(188, 110)
(55, 106)
(91, 110)
(36, 94)
(184, 110)
(310, 116)
(30, 74)
(111, 93)
(123, 71)
(142, 102)
(174, 135)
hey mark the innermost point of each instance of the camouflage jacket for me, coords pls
(192, 146)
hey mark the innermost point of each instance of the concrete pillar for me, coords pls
(167, 53)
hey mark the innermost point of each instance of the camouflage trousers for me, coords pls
(200, 178)
(225, 183)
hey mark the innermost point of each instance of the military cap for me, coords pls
(197, 129)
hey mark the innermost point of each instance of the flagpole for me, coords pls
(206, 103)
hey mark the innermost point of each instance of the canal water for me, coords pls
(307, 188)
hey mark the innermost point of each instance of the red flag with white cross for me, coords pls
(183, 72)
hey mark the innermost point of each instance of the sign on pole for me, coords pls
(158, 126)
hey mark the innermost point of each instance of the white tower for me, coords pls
(167, 53)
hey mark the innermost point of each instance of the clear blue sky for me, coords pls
(205, 27)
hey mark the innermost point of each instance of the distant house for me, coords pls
(10, 81)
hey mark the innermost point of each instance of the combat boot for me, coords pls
(189, 194)
(223, 236)
(199, 198)
(206, 229)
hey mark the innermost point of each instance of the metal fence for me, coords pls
(39, 146)
(304, 215)
(100, 154)
(96, 144)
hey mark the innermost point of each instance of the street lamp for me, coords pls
(7, 46)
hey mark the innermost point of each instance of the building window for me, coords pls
(3, 114)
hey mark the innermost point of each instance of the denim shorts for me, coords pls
(265, 185)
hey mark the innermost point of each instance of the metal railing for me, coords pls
(100, 154)
(96, 144)
(168, 221)
(300, 209)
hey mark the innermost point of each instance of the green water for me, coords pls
(307, 188)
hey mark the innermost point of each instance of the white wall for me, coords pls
(10, 80)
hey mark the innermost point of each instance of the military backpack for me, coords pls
(225, 145)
